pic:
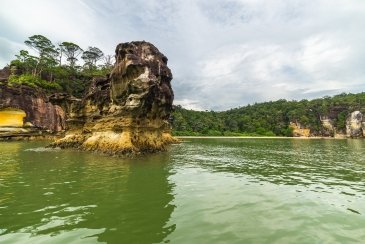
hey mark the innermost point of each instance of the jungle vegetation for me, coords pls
(269, 118)
(57, 67)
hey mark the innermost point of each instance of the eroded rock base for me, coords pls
(114, 143)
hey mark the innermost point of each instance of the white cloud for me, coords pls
(189, 104)
(222, 53)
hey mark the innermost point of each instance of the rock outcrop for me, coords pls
(327, 126)
(4, 74)
(299, 130)
(355, 125)
(25, 107)
(126, 112)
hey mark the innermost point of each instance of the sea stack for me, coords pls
(126, 112)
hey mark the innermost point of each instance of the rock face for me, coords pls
(299, 130)
(327, 126)
(355, 125)
(22, 106)
(128, 111)
(4, 74)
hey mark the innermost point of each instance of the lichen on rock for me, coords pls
(128, 111)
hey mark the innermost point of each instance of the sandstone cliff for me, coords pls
(29, 109)
(355, 125)
(299, 130)
(126, 112)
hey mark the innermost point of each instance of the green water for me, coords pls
(201, 191)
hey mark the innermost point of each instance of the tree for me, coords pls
(25, 61)
(108, 61)
(46, 50)
(71, 51)
(42, 45)
(91, 56)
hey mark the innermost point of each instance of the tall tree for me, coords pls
(46, 50)
(91, 56)
(71, 51)
(42, 45)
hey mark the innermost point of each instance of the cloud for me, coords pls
(223, 54)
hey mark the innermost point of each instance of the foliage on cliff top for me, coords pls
(269, 118)
(55, 68)
(33, 81)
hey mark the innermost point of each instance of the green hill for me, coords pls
(270, 118)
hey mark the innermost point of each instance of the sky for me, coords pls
(222, 53)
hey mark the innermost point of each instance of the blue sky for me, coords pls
(223, 54)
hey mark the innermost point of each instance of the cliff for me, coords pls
(355, 125)
(26, 110)
(321, 117)
(126, 112)
(299, 130)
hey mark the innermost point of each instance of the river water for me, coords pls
(200, 191)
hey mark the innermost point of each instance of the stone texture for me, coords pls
(4, 74)
(126, 112)
(355, 125)
(299, 130)
(39, 111)
(327, 126)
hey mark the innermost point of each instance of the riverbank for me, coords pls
(255, 137)
(30, 136)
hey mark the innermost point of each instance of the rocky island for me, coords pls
(127, 111)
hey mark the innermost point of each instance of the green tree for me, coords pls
(71, 51)
(91, 56)
(46, 50)
(25, 62)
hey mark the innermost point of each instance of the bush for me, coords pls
(33, 81)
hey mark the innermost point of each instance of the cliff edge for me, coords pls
(25, 111)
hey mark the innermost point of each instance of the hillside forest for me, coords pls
(269, 118)
(62, 67)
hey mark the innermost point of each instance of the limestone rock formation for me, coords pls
(127, 111)
(355, 125)
(25, 107)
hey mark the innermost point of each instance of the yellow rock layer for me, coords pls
(131, 140)
(298, 131)
(13, 118)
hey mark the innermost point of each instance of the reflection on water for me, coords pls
(89, 197)
(269, 191)
(201, 191)
(289, 162)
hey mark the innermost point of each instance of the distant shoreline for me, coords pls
(255, 137)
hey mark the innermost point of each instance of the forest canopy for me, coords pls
(269, 118)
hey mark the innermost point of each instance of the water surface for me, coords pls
(201, 191)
